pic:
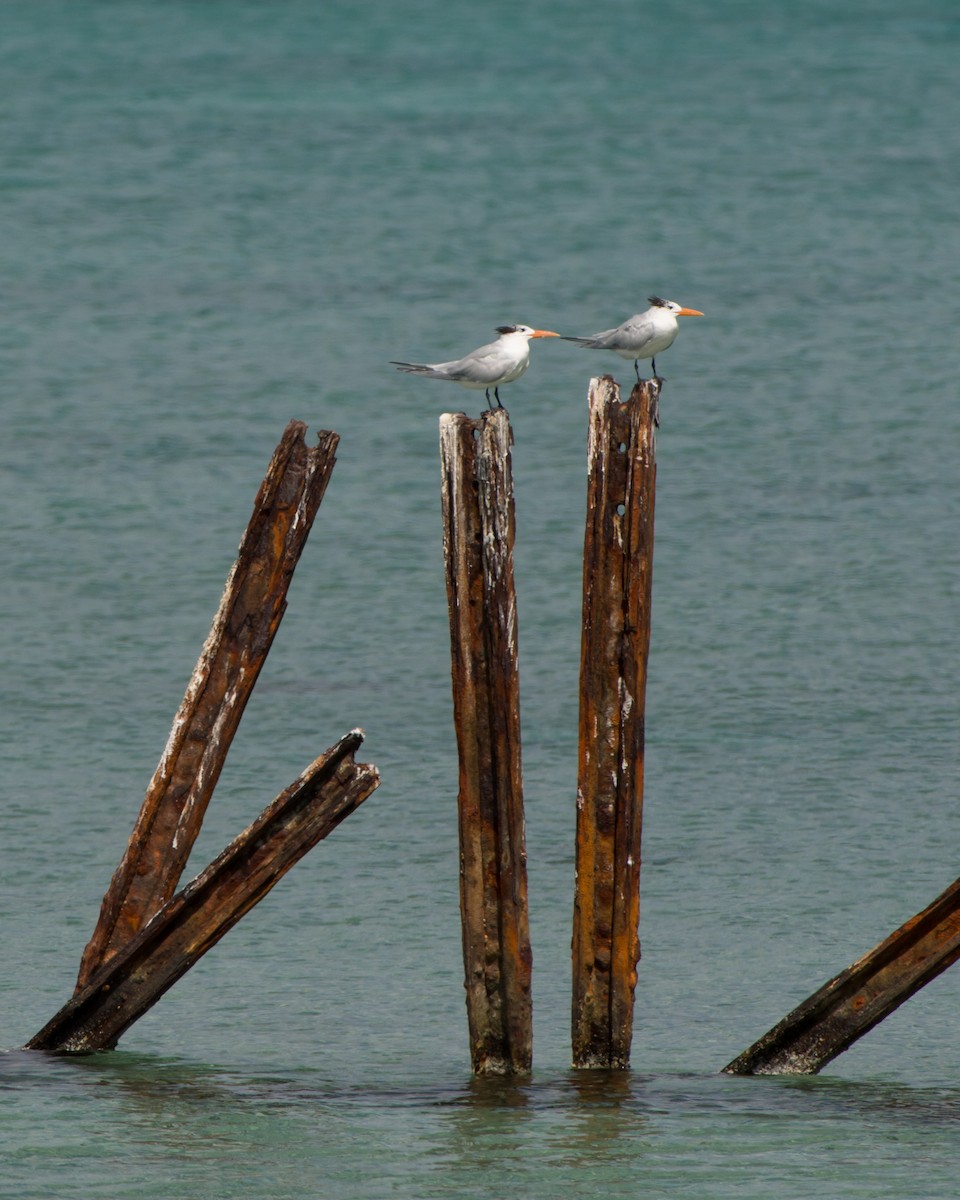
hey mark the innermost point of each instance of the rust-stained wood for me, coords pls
(478, 537)
(617, 582)
(185, 928)
(253, 603)
(853, 1002)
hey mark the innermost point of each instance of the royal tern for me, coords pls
(641, 336)
(488, 366)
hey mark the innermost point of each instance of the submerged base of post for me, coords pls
(185, 928)
(853, 1002)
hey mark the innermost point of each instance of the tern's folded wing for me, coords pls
(486, 365)
(633, 334)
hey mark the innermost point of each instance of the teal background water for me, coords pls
(218, 216)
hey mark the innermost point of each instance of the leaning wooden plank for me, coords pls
(141, 971)
(850, 1004)
(478, 538)
(617, 589)
(236, 648)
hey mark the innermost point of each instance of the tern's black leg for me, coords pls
(636, 367)
(653, 364)
(496, 392)
(487, 394)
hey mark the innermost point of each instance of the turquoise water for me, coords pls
(220, 216)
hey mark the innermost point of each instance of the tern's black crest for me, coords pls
(657, 302)
(507, 328)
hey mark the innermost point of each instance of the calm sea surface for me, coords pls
(219, 216)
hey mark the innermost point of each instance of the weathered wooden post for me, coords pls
(850, 1004)
(617, 581)
(186, 927)
(478, 539)
(251, 608)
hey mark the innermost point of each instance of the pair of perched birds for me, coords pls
(642, 336)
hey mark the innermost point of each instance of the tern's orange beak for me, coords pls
(689, 312)
(544, 333)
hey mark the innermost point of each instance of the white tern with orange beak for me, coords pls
(642, 336)
(488, 366)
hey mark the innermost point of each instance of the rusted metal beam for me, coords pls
(252, 606)
(853, 1002)
(478, 540)
(185, 928)
(617, 583)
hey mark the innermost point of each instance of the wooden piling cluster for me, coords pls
(479, 526)
(148, 934)
(147, 938)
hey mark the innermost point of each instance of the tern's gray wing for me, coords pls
(635, 333)
(471, 366)
(483, 365)
(632, 335)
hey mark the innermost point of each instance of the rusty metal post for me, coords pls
(853, 1002)
(617, 581)
(478, 539)
(251, 608)
(185, 928)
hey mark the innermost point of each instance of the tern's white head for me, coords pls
(525, 331)
(672, 307)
